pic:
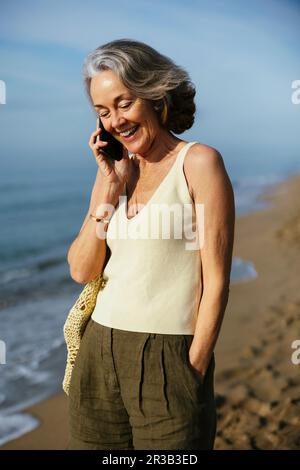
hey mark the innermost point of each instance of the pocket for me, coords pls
(192, 380)
(196, 373)
(203, 385)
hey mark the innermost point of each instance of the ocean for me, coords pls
(41, 213)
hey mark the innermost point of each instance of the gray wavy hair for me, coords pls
(149, 75)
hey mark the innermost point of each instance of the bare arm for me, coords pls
(212, 187)
(87, 254)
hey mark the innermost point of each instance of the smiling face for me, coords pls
(121, 110)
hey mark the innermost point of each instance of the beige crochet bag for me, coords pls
(76, 322)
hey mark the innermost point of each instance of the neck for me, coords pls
(163, 146)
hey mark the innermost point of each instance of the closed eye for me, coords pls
(123, 107)
(126, 105)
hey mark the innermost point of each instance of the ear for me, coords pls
(161, 107)
(158, 106)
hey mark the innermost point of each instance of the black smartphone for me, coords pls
(114, 148)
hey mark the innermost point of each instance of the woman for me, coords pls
(143, 377)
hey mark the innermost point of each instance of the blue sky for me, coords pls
(242, 57)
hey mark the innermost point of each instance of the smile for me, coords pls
(129, 132)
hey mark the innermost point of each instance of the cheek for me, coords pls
(145, 117)
(142, 113)
(151, 125)
(139, 115)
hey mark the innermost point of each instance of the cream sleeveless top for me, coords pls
(154, 271)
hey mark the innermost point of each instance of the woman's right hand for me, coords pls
(115, 172)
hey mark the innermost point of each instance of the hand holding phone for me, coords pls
(114, 166)
(114, 148)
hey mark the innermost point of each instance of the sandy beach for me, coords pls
(257, 385)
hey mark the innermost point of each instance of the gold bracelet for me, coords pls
(99, 219)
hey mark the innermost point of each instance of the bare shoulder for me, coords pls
(201, 157)
(204, 166)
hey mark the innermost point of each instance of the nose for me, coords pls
(116, 121)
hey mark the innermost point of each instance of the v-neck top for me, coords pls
(157, 189)
(154, 272)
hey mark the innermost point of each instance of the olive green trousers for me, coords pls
(132, 390)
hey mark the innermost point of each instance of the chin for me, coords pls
(134, 146)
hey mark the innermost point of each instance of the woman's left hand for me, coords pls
(200, 366)
(200, 373)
